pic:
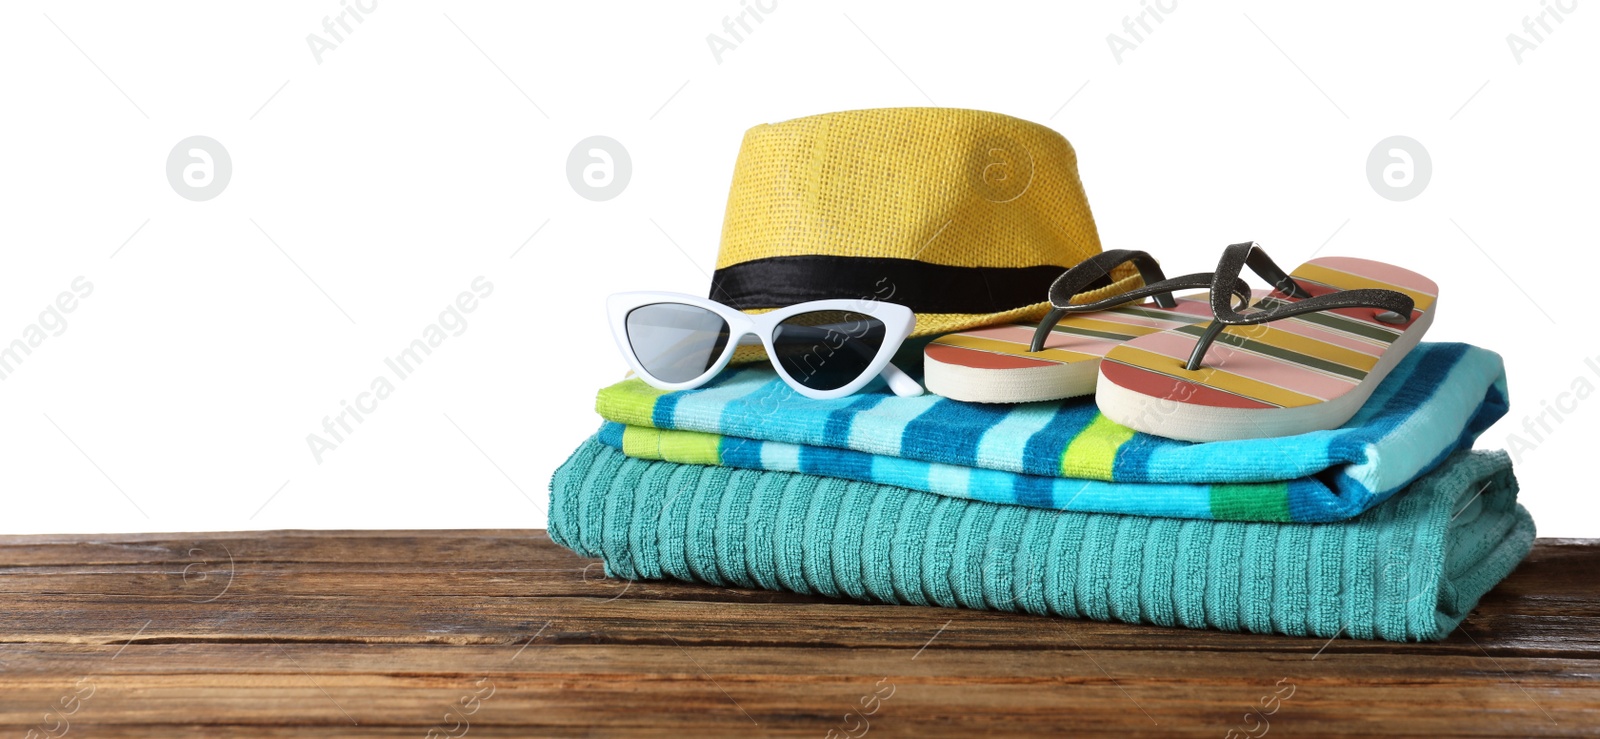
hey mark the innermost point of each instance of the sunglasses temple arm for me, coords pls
(900, 382)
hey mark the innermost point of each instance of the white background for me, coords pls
(430, 145)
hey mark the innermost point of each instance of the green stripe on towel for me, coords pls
(1092, 455)
(1249, 503)
(631, 402)
(688, 447)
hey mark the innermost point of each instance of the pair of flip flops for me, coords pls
(1234, 363)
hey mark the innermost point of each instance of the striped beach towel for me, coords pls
(1064, 455)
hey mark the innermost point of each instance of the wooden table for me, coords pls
(502, 633)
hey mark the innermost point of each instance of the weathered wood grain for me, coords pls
(383, 633)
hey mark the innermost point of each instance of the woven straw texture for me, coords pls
(953, 187)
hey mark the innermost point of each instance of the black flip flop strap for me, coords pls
(1092, 272)
(1096, 270)
(1395, 306)
(1257, 260)
(1198, 280)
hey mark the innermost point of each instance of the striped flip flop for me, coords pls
(1304, 358)
(1060, 356)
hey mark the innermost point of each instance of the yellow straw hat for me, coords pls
(965, 217)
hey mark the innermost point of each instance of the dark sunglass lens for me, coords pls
(825, 350)
(675, 342)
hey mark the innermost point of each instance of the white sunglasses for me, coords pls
(823, 349)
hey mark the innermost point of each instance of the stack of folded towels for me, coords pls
(1389, 527)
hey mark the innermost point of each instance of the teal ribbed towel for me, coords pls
(1409, 569)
